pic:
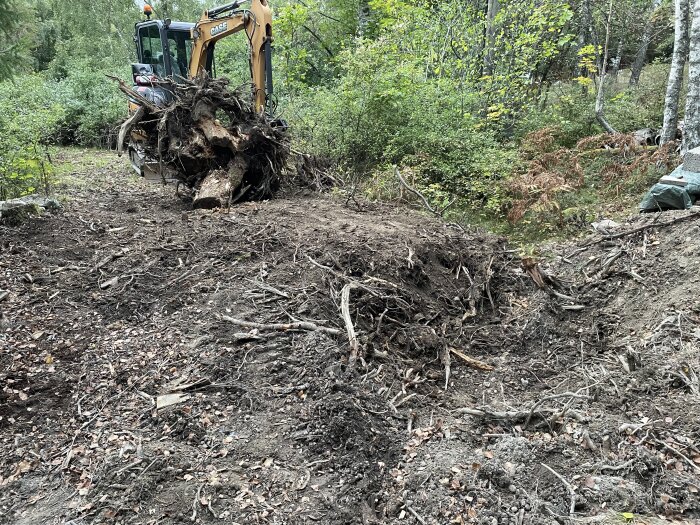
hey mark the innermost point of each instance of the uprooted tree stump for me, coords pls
(211, 139)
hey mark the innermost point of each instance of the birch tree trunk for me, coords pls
(691, 129)
(603, 72)
(641, 56)
(492, 8)
(675, 76)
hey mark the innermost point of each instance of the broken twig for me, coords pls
(345, 313)
(470, 361)
(283, 327)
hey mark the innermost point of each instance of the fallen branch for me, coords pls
(685, 458)
(345, 313)
(447, 362)
(470, 361)
(283, 327)
(643, 228)
(126, 127)
(195, 502)
(357, 284)
(550, 398)
(132, 93)
(516, 416)
(617, 468)
(416, 515)
(268, 288)
(437, 213)
(569, 487)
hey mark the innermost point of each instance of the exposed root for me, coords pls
(211, 139)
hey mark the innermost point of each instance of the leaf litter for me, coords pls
(214, 378)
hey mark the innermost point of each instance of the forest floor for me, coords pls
(486, 389)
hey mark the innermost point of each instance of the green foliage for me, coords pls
(92, 104)
(568, 107)
(15, 37)
(29, 117)
(309, 38)
(37, 111)
(413, 91)
(231, 60)
(385, 110)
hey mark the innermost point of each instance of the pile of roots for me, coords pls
(211, 139)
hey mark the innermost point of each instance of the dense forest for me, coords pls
(496, 109)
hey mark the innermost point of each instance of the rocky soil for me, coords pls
(164, 365)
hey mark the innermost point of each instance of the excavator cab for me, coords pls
(166, 46)
(163, 50)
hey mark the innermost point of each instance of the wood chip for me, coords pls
(166, 400)
(109, 282)
(470, 361)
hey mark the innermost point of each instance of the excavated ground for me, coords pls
(131, 392)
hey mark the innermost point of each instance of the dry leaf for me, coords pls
(109, 282)
(23, 467)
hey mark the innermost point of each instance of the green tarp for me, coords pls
(670, 197)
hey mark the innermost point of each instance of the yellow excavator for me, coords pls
(169, 52)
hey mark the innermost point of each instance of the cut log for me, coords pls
(218, 187)
(217, 135)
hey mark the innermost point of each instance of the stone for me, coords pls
(691, 160)
(16, 211)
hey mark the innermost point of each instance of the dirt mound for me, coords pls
(594, 402)
(191, 366)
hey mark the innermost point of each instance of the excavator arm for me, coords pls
(220, 22)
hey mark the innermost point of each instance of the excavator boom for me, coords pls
(226, 20)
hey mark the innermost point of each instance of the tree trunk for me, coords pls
(492, 8)
(641, 56)
(691, 130)
(600, 97)
(218, 187)
(616, 61)
(675, 76)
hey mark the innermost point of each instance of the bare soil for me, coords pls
(582, 403)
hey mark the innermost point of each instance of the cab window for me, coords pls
(152, 49)
(180, 44)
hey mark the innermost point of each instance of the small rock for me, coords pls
(691, 160)
(16, 211)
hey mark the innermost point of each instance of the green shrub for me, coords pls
(385, 109)
(93, 105)
(570, 108)
(29, 119)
